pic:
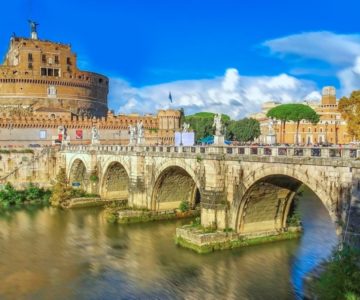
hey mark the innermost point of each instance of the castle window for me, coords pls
(68, 60)
(30, 57)
(56, 59)
(30, 66)
(43, 71)
(50, 72)
(43, 58)
(56, 72)
(100, 80)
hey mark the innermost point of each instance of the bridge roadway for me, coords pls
(249, 189)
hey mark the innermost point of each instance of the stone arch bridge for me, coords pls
(248, 189)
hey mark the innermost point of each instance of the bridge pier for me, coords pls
(137, 193)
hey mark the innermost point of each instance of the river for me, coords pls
(46, 253)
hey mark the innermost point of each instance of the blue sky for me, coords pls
(219, 55)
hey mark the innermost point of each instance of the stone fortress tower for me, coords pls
(38, 73)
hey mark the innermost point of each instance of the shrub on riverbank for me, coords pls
(341, 278)
(9, 196)
(62, 192)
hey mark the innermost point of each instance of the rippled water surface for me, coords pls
(53, 254)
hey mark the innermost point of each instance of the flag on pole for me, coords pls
(170, 97)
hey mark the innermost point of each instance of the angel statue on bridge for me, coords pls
(218, 124)
(132, 132)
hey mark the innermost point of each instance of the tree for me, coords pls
(61, 191)
(202, 123)
(350, 111)
(293, 112)
(244, 130)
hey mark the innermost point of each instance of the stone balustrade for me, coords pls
(281, 151)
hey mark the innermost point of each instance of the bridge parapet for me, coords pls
(343, 153)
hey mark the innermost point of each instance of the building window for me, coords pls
(68, 60)
(43, 71)
(43, 58)
(56, 72)
(56, 59)
(51, 91)
(50, 72)
(30, 57)
(30, 66)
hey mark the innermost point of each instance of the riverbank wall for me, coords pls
(20, 167)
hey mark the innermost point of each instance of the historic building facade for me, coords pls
(44, 97)
(332, 128)
(38, 73)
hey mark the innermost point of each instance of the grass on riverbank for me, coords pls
(9, 196)
(341, 277)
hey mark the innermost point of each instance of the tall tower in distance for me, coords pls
(328, 96)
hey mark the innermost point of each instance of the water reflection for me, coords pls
(53, 254)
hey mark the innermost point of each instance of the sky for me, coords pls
(227, 56)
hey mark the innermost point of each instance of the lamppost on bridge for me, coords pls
(336, 131)
(326, 129)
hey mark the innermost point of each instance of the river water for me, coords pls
(46, 253)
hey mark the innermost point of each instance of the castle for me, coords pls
(43, 96)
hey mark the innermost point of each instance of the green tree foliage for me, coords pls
(61, 190)
(244, 130)
(350, 111)
(293, 112)
(9, 196)
(341, 277)
(202, 123)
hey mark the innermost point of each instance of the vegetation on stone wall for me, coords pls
(184, 206)
(9, 196)
(62, 192)
(8, 151)
(341, 277)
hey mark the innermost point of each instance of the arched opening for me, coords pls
(173, 186)
(78, 176)
(268, 204)
(115, 184)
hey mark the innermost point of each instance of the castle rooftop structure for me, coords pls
(39, 73)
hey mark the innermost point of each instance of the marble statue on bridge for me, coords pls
(132, 132)
(219, 138)
(95, 137)
(140, 133)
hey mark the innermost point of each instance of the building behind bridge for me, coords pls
(332, 128)
(43, 94)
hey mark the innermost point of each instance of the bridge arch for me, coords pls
(114, 183)
(268, 194)
(175, 183)
(78, 173)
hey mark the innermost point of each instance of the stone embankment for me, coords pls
(128, 216)
(206, 240)
(91, 202)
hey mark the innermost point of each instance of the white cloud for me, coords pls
(337, 49)
(238, 95)
(230, 94)
(341, 51)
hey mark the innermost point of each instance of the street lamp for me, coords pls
(336, 132)
(326, 129)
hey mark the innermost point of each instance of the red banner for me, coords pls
(79, 134)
